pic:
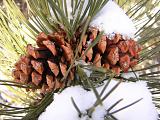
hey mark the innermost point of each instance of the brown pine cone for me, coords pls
(46, 64)
(115, 53)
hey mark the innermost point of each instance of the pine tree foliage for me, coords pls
(16, 31)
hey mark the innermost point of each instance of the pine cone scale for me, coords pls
(125, 63)
(24, 78)
(38, 66)
(50, 81)
(102, 44)
(113, 56)
(51, 46)
(54, 67)
(36, 78)
(27, 69)
(63, 68)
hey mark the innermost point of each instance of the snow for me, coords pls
(130, 75)
(62, 108)
(112, 19)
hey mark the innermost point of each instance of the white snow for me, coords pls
(112, 19)
(62, 108)
(130, 75)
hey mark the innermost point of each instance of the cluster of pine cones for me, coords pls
(45, 65)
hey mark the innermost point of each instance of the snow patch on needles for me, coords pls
(112, 19)
(62, 107)
(130, 75)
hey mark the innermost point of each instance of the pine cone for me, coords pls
(45, 65)
(115, 53)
